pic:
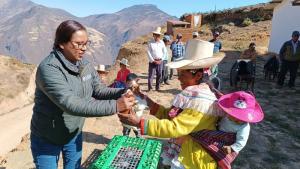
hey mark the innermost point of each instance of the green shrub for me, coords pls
(247, 22)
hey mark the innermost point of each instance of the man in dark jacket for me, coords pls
(290, 58)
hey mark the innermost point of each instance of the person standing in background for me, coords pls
(213, 71)
(165, 72)
(290, 58)
(216, 41)
(156, 51)
(178, 49)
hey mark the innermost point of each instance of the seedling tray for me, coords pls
(129, 153)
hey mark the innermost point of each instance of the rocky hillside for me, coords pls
(17, 84)
(27, 29)
(127, 24)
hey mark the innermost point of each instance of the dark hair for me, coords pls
(65, 31)
(131, 77)
(195, 71)
(252, 44)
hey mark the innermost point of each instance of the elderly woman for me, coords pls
(68, 89)
(193, 109)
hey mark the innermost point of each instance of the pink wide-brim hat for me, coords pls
(242, 106)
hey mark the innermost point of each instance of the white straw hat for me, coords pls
(101, 68)
(157, 31)
(123, 61)
(199, 54)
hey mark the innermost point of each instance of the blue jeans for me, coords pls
(46, 155)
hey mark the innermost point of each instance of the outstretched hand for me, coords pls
(135, 87)
(126, 102)
(130, 119)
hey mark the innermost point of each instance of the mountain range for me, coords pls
(27, 29)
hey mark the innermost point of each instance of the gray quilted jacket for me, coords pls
(65, 94)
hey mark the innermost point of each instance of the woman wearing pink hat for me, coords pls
(240, 109)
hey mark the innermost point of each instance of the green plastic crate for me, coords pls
(129, 153)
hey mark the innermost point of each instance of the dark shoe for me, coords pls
(167, 83)
(157, 89)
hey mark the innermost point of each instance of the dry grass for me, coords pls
(14, 76)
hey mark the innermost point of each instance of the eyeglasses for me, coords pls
(78, 45)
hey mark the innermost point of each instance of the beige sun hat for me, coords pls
(195, 33)
(123, 61)
(199, 54)
(157, 31)
(101, 68)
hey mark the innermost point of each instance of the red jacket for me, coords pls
(122, 74)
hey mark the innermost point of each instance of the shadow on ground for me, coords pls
(92, 157)
(94, 138)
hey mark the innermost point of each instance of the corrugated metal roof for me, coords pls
(176, 22)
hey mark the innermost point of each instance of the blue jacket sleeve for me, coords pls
(241, 138)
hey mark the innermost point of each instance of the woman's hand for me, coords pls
(126, 102)
(130, 119)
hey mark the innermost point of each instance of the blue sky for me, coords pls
(83, 8)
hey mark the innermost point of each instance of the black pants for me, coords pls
(157, 68)
(286, 66)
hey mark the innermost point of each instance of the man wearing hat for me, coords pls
(177, 47)
(290, 57)
(156, 51)
(102, 73)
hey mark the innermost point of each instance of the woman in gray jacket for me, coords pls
(68, 89)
